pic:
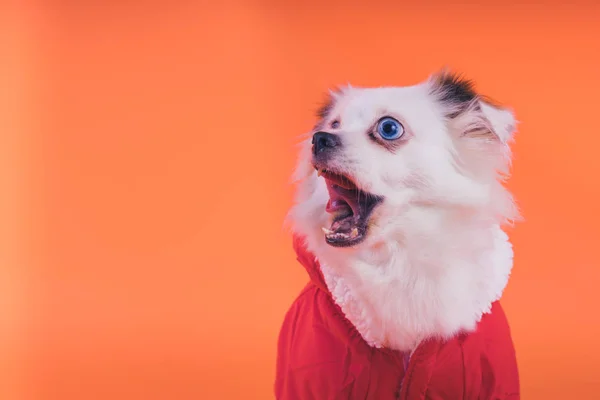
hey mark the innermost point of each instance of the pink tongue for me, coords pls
(335, 205)
(336, 202)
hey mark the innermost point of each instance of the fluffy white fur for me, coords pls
(435, 257)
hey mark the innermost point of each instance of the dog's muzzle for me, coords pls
(324, 142)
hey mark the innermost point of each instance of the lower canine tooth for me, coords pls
(319, 172)
(326, 231)
(354, 232)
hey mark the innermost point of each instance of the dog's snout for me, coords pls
(323, 141)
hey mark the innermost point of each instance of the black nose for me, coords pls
(323, 141)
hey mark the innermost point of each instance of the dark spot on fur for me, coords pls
(457, 96)
(455, 88)
(454, 91)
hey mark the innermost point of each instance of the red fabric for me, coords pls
(322, 356)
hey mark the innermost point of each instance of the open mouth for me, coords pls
(350, 208)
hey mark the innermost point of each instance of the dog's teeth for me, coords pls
(319, 172)
(326, 231)
(354, 232)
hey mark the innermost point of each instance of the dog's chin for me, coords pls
(350, 209)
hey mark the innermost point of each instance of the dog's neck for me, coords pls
(433, 282)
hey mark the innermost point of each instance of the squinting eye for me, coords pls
(390, 129)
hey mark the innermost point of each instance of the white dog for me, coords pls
(401, 201)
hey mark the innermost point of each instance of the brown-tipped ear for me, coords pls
(453, 91)
(330, 99)
(326, 107)
(473, 114)
(324, 111)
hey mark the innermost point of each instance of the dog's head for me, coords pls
(377, 155)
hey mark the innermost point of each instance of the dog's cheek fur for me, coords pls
(311, 196)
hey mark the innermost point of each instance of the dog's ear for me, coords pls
(502, 121)
(469, 113)
(326, 107)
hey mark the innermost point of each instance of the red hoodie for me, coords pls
(322, 356)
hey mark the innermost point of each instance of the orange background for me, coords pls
(144, 163)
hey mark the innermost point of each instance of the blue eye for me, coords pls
(390, 129)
